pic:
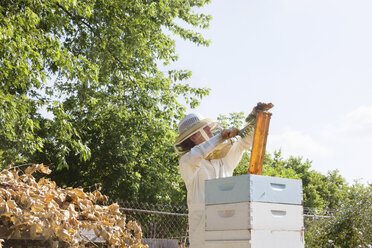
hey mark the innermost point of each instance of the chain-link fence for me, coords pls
(311, 213)
(170, 222)
(159, 221)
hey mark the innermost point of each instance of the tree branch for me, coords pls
(81, 19)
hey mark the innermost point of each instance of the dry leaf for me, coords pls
(46, 210)
(114, 208)
(48, 198)
(37, 207)
(44, 169)
(32, 169)
(80, 193)
(35, 229)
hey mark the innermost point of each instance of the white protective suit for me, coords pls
(195, 169)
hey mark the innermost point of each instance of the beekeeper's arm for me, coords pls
(190, 162)
(233, 157)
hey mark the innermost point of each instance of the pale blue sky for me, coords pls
(312, 59)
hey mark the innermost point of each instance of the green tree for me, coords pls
(320, 191)
(93, 65)
(273, 166)
(234, 119)
(349, 225)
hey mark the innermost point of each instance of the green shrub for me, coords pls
(348, 226)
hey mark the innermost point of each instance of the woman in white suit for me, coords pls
(195, 143)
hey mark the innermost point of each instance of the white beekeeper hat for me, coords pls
(190, 125)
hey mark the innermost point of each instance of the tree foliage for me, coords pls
(93, 66)
(350, 225)
(234, 119)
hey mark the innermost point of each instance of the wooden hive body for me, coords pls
(254, 211)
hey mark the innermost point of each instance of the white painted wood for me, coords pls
(247, 188)
(233, 216)
(229, 235)
(254, 215)
(262, 239)
(228, 244)
(275, 216)
(277, 239)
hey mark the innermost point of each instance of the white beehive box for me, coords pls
(256, 188)
(254, 211)
(253, 215)
(257, 239)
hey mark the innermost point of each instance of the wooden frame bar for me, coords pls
(259, 141)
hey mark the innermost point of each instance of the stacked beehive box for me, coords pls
(254, 211)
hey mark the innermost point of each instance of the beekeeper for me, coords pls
(195, 143)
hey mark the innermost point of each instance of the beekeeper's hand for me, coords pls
(254, 111)
(229, 132)
(251, 118)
